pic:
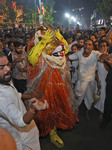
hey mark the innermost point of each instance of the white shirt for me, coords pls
(87, 65)
(12, 110)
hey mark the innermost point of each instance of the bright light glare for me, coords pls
(67, 15)
(79, 23)
(74, 20)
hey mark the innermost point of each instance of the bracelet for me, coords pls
(32, 110)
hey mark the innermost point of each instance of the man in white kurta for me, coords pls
(88, 59)
(102, 74)
(11, 118)
(13, 115)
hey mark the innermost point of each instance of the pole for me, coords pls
(69, 19)
(40, 6)
(35, 10)
(41, 15)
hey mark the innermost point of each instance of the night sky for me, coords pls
(76, 3)
(63, 6)
(66, 5)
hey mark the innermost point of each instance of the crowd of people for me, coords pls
(46, 74)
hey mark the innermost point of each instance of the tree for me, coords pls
(9, 12)
(28, 10)
(48, 5)
(104, 8)
(2, 8)
(27, 15)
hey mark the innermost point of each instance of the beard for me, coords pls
(4, 79)
(18, 52)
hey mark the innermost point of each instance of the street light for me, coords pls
(79, 23)
(69, 19)
(73, 18)
(67, 15)
(40, 16)
(78, 9)
(40, 6)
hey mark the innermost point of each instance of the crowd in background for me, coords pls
(14, 43)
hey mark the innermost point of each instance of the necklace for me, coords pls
(54, 62)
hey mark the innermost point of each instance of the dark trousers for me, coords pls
(20, 85)
(108, 99)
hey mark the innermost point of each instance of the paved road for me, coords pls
(85, 136)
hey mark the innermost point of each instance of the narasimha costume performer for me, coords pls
(48, 73)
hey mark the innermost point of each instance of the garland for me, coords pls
(54, 62)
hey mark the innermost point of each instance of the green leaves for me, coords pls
(104, 8)
(48, 5)
(30, 11)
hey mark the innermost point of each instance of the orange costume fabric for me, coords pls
(55, 83)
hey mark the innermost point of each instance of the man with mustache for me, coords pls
(84, 88)
(19, 69)
(13, 115)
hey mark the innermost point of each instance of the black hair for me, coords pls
(68, 36)
(103, 41)
(103, 28)
(102, 37)
(81, 38)
(93, 35)
(9, 43)
(28, 37)
(17, 43)
(76, 45)
(1, 39)
(95, 46)
(8, 35)
(88, 40)
(79, 32)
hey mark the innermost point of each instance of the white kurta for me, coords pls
(74, 74)
(12, 110)
(86, 75)
(102, 73)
